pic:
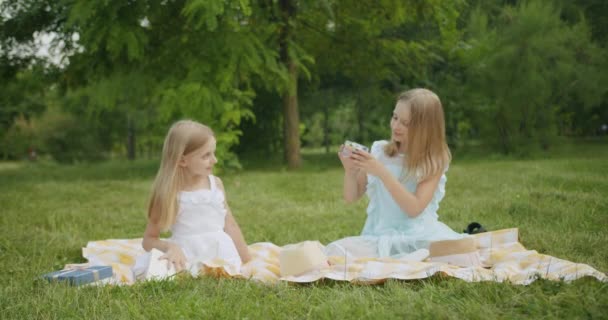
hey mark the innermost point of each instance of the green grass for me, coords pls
(49, 212)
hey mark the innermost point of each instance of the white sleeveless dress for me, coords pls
(199, 231)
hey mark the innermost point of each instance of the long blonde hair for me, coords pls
(427, 151)
(184, 137)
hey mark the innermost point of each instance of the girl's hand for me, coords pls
(248, 269)
(174, 255)
(366, 162)
(347, 162)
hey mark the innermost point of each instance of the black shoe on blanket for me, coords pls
(474, 227)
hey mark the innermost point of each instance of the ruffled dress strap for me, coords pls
(378, 148)
(377, 151)
(212, 183)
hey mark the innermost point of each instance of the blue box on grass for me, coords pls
(80, 276)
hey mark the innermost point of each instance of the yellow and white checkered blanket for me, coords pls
(509, 261)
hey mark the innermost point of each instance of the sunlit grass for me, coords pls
(49, 212)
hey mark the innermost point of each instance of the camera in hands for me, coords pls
(350, 146)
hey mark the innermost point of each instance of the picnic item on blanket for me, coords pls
(462, 252)
(504, 257)
(158, 269)
(301, 258)
(79, 275)
(350, 146)
(474, 227)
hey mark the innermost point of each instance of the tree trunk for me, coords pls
(291, 122)
(326, 127)
(130, 138)
(291, 119)
(359, 116)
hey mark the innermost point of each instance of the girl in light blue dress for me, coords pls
(404, 179)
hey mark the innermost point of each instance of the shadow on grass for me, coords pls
(49, 171)
(561, 148)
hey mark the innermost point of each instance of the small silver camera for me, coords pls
(350, 146)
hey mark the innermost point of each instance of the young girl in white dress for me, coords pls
(190, 202)
(404, 179)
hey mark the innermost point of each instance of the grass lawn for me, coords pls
(559, 201)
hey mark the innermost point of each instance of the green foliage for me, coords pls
(67, 139)
(362, 62)
(514, 74)
(22, 99)
(262, 135)
(313, 134)
(525, 63)
(58, 134)
(110, 30)
(330, 118)
(172, 60)
(19, 139)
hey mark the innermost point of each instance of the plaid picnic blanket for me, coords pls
(507, 258)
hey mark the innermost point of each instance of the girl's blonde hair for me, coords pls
(427, 151)
(184, 137)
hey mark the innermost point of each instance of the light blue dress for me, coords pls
(388, 230)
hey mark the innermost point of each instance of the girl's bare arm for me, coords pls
(231, 227)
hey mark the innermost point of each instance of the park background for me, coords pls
(89, 89)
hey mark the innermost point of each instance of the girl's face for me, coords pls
(400, 123)
(200, 162)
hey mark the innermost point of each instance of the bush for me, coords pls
(527, 67)
(18, 140)
(67, 140)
